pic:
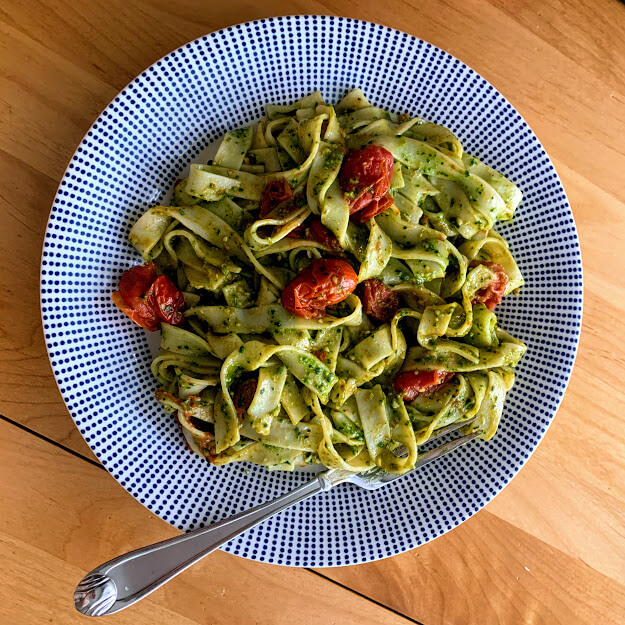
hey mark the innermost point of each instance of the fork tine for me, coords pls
(446, 448)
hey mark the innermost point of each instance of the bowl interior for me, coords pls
(130, 158)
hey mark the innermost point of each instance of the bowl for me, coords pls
(128, 161)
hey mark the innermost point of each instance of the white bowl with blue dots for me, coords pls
(130, 158)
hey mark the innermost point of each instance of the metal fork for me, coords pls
(120, 582)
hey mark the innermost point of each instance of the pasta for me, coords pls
(330, 279)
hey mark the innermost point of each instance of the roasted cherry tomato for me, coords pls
(274, 193)
(378, 300)
(372, 209)
(166, 300)
(365, 178)
(134, 286)
(150, 322)
(324, 282)
(314, 230)
(320, 354)
(147, 298)
(492, 293)
(410, 384)
(299, 232)
(243, 395)
(318, 232)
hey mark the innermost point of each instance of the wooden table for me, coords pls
(550, 549)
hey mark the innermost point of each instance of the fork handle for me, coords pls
(119, 583)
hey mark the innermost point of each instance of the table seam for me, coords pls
(51, 441)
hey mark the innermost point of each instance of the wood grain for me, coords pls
(25, 567)
(562, 65)
(27, 386)
(488, 571)
(42, 536)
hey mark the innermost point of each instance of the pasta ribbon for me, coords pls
(351, 387)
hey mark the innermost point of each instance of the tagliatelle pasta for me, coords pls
(339, 268)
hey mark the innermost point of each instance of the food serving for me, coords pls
(325, 290)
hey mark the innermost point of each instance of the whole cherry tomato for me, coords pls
(274, 193)
(243, 395)
(378, 300)
(410, 384)
(492, 293)
(365, 178)
(324, 282)
(147, 298)
(150, 322)
(166, 300)
(134, 286)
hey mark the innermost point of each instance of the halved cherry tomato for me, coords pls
(492, 293)
(166, 300)
(378, 300)
(410, 384)
(365, 178)
(318, 232)
(324, 282)
(149, 322)
(243, 395)
(274, 193)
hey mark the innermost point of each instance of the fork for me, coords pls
(120, 582)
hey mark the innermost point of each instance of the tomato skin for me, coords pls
(313, 229)
(147, 298)
(411, 384)
(323, 235)
(274, 193)
(324, 282)
(243, 395)
(299, 232)
(492, 293)
(372, 209)
(151, 322)
(134, 285)
(378, 300)
(365, 178)
(321, 355)
(166, 300)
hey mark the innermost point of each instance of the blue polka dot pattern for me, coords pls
(133, 154)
